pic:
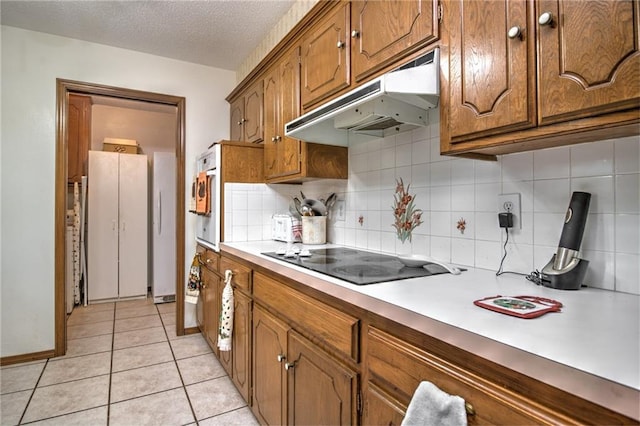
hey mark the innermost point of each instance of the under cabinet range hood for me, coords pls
(392, 103)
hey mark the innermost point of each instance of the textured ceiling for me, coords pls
(218, 33)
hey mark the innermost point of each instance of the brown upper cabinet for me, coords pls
(325, 57)
(281, 104)
(246, 115)
(79, 137)
(383, 32)
(504, 90)
(359, 39)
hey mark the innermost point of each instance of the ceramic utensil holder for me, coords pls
(314, 229)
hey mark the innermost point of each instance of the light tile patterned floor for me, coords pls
(124, 366)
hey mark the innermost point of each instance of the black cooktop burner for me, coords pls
(357, 266)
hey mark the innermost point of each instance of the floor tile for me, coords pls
(98, 307)
(89, 345)
(128, 339)
(80, 316)
(200, 368)
(164, 308)
(81, 367)
(93, 417)
(141, 356)
(133, 303)
(137, 323)
(12, 406)
(165, 408)
(188, 346)
(89, 330)
(136, 311)
(168, 318)
(240, 417)
(144, 381)
(214, 397)
(65, 398)
(20, 378)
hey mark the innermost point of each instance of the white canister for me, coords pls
(314, 229)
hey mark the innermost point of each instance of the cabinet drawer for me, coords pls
(326, 324)
(209, 259)
(399, 367)
(241, 274)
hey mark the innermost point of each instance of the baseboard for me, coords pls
(34, 356)
(191, 330)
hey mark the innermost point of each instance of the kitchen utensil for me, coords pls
(565, 271)
(331, 200)
(298, 205)
(417, 261)
(319, 209)
(306, 210)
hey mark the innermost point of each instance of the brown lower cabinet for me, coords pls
(303, 357)
(295, 381)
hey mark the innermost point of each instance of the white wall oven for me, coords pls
(207, 198)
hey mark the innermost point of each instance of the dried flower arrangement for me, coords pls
(407, 216)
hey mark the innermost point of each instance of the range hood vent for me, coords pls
(393, 103)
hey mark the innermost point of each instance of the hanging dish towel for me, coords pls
(193, 286)
(226, 315)
(432, 406)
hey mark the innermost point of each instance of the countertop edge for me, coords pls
(614, 396)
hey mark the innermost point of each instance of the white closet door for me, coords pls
(102, 237)
(134, 236)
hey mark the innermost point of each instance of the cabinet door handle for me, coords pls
(469, 409)
(515, 32)
(546, 19)
(281, 357)
(355, 34)
(288, 365)
(340, 44)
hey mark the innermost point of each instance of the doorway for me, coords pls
(63, 89)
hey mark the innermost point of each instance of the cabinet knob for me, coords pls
(469, 409)
(278, 138)
(203, 285)
(355, 34)
(240, 123)
(288, 365)
(546, 18)
(281, 357)
(208, 260)
(340, 44)
(273, 138)
(515, 32)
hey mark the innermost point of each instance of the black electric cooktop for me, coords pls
(357, 266)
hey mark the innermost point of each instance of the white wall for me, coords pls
(31, 62)
(448, 189)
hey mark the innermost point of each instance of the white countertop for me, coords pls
(597, 332)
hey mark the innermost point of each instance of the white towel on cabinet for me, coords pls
(432, 406)
(226, 315)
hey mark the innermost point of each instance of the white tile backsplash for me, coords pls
(448, 189)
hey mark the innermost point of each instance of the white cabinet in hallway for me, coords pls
(117, 226)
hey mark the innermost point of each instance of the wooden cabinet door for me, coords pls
(320, 391)
(211, 307)
(253, 120)
(492, 77)
(384, 31)
(78, 136)
(269, 375)
(380, 408)
(289, 148)
(242, 344)
(271, 122)
(237, 115)
(325, 57)
(589, 58)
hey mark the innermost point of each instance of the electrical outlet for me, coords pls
(340, 210)
(511, 203)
